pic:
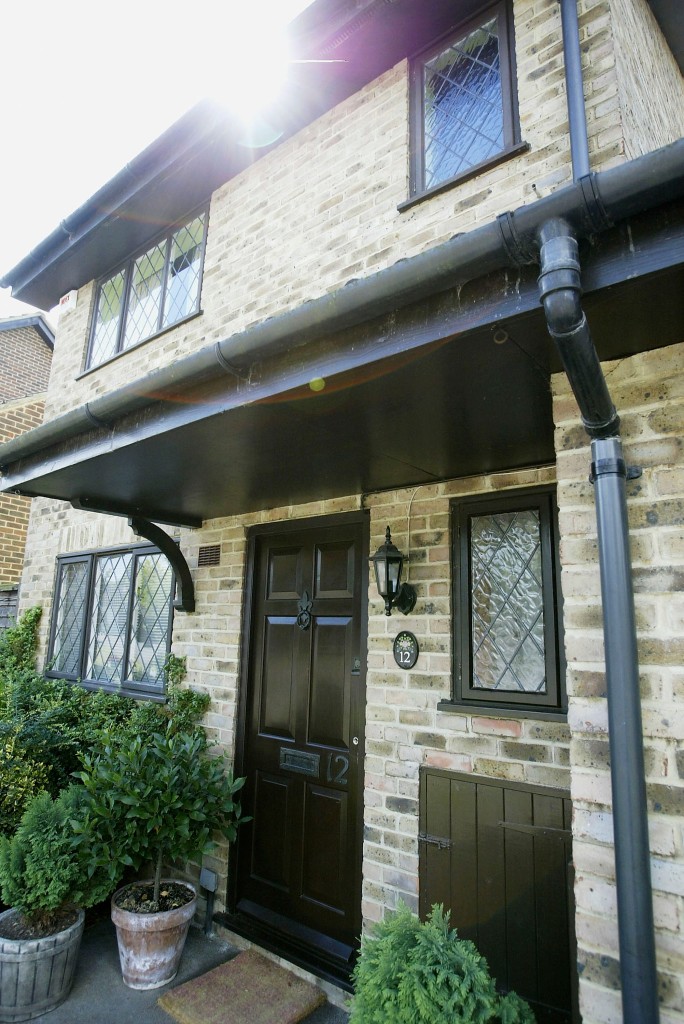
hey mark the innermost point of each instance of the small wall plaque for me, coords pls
(405, 649)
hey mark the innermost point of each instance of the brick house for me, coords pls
(26, 344)
(277, 354)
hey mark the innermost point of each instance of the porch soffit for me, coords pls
(409, 398)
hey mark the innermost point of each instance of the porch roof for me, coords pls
(437, 367)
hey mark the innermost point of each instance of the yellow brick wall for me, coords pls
(650, 87)
(648, 391)
(404, 728)
(321, 208)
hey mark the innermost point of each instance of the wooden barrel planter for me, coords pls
(36, 974)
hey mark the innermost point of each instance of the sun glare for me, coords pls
(247, 67)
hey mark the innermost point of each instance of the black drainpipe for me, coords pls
(577, 118)
(560, 291)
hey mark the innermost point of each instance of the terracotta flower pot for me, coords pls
(151, 945)
(36, 974)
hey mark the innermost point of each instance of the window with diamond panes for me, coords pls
(70, 612)
(507, 624)
(156, 289)
(463, 102)
(112, 619)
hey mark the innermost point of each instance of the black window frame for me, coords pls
(126, 267)
(128, 687)
(553, 703)
(502, 10)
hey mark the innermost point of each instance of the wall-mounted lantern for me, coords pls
(388, 561)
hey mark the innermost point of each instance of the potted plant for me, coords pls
(46, 883)
(156, 799)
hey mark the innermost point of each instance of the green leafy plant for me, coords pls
(42, 869)
(410, 972)
(18, 646)
(157, 799)
(21, 778)
(46, 723)
(175, 669)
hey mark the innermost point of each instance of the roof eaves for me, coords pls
(31, 320)
(167, 151)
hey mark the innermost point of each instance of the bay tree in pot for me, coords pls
(47, 882)
(154, 800)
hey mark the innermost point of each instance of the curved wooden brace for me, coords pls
(157, 536)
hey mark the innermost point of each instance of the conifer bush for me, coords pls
(410, 972)
(42, 869)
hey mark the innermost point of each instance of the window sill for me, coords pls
(472, 172)
(157, 696)
(492, 711)
(138, 344)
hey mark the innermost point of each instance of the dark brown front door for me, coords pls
(299, 860)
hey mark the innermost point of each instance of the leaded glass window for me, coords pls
(507, 606)
(463, 102)
(154, 290)
(70, 616)
(507, 619)
(112, 619)
(107, 318)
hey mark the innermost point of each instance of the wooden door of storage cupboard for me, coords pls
(498, 855)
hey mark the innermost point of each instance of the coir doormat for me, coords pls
(246, 990)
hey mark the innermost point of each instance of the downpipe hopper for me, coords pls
(560, 291)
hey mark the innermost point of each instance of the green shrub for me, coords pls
(413, 973)
(42, 868)
(19, 643)
(21, 778)
(18, 646)
(155, 800)
(46, 723)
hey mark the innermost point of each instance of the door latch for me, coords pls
(441, 842)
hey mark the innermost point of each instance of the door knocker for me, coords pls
(305, 606)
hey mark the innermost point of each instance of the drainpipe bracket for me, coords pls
(604, 467)
(227, 365)
(596, 212)
(518, 252)
(96, 421)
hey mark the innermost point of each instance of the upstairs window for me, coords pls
(158, 288)
(506, 603)
(111, 623)
(463, 102)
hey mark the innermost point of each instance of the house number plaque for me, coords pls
(405, 649)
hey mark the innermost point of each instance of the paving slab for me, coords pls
(99, 996)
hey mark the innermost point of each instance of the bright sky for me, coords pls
(85, 86)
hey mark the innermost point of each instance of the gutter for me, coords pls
(588, 206)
